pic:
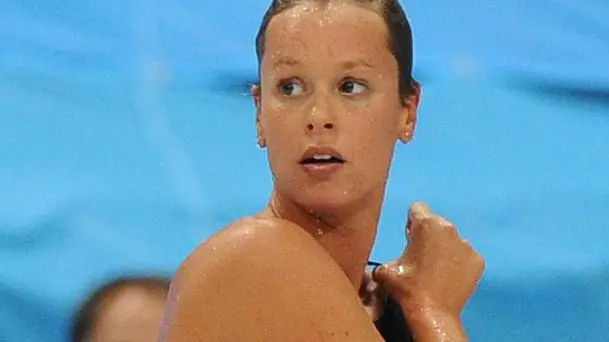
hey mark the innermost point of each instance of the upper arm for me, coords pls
(261, 281)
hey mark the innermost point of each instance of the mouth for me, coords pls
(321, 156)
(321, 163)
(322, 159)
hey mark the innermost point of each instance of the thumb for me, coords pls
(381, 274)
(417, 211)
(390, 277)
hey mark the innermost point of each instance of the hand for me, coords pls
(438, 270)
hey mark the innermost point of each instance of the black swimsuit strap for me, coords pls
(375, 264)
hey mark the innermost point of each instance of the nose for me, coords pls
(320, 118)
(328, 125)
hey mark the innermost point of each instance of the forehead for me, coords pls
(327, 31)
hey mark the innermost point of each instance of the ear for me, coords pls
(409, 116)
(258, 104)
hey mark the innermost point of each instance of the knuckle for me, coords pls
(449, 227)
(438, 221)
(445, 223)
(479, 261)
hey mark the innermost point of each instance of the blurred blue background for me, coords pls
(126, 139)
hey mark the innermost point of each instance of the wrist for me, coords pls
(430, 323)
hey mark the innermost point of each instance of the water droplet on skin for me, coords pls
(314, 110)
(319, 232)
(401, 269)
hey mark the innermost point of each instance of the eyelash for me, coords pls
(288, 81)
(341, 84)
(355, 81)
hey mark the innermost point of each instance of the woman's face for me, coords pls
(329, 88)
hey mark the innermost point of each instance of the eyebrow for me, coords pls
(347, 65)
(287, 61)
(356, 63)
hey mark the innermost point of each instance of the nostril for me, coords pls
(311, 126)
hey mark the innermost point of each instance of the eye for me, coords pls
(290, 88)
(352, 87)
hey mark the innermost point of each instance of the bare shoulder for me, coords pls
(252, 244)
(263, 280)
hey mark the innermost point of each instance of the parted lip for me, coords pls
(321, 153)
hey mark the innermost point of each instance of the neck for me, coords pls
(348, 235)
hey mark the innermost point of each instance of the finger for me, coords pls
(384, 273)
(419, 211)
(381, 273)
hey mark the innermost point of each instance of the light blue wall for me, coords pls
(122, 147)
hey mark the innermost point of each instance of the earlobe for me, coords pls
(259, 127)
(261, 142)
(255, 92)
(408, 125)
(406, 137)
(411, 105)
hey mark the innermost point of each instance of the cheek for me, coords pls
(374, 139)
(282, 136)
(279, 125)
(376, 126)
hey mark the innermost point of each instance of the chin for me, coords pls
(325, 201)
